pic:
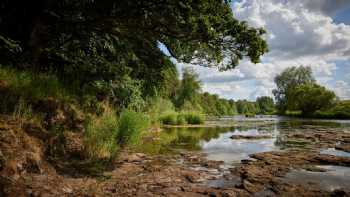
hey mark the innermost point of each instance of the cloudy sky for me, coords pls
(314, 33)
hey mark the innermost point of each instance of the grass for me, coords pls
(100, 136)
(157, 108)
(131, 125)
(170, 119)
(33, 85)
(182, 118)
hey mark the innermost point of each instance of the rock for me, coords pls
(133, 158)
(250, 137)
(343, 146)
(2, 160)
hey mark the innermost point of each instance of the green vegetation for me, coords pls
(298, 94)
(341, 110)
(100, 136)
(266, 104)
(182, 118)
(131, 125)
(63, 61)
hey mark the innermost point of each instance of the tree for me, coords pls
(311, 97)
(85, 41)
(286, 83)
(190, 87)
(266, 104)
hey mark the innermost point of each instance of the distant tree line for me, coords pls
(189, 97)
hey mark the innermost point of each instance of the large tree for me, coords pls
(286, 83)
(90, 41)
(309, 98)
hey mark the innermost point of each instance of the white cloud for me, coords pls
(298, 33)
(342, 89)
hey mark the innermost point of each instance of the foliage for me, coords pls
(96, 44)
(157, 107)
(247, 107)
(189, 89)
(170, 119)
(174, 118)
(131, 125)
(100, 136)
(286, 83)
(266, 104)
(340, 110)
(193, 117)
(31, 85)
(311, 97)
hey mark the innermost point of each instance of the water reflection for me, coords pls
(218, 145)
(231, 151)
(336, 177)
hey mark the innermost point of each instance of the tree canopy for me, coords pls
(297, 90)
(89, 41)
(286, 83)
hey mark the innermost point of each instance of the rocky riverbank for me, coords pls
(27, 170)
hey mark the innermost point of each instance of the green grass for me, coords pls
(193, 118)
(131, 125)
(170, 119)
(33, 86)
(174, 118)
(100, 136)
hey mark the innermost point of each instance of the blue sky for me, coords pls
(313, 33)
(342, 16)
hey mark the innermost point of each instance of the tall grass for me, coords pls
(174, 118)
(158, 107)
(100, 136)
(131, 125)
(32, 85)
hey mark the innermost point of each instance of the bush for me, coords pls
(100, 136)
(157, 107)
(341, 110)
(169, 119)
(181, 119)
(131, 125)
(193, 118)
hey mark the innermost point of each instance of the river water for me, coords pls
(217, 144)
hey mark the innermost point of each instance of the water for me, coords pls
(217, 145)
(333, 151)
(232, 151)
(336, 177)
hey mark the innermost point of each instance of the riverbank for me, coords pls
(26, 169)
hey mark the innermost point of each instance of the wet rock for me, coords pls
(250, 137)
(343, 147)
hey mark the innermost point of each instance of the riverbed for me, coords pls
(236, 146)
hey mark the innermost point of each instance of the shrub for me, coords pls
(194, 118)
(157, 107)
(181, 119)
(169, 119)
(100, 136)
(131, 125)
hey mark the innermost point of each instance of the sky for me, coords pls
(313, 33)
